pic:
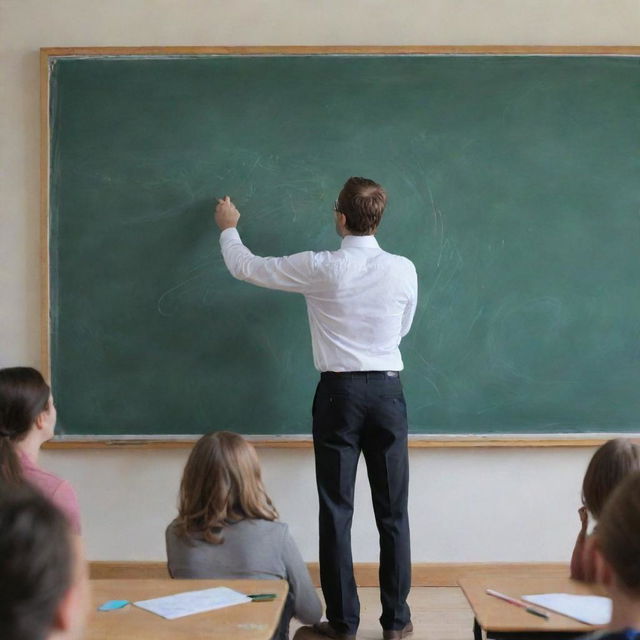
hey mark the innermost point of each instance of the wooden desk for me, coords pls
(500, 619)
(251, 621)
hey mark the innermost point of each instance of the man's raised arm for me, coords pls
(290, 273)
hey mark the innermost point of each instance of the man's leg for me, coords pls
(384, 446)
(337, 421)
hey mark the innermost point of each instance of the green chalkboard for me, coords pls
(514, 186)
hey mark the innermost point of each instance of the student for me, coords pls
(617, 556)
(226, 526)
(27, 420)
(610, 464)
(43, 575)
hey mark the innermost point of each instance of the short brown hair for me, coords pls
(221, 484)
(610, 464)
(362, 201)
(618, 535)
(36, 562)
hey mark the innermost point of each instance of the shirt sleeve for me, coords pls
(306, 604)
(410, 309)
(289, 273)
(64, 497)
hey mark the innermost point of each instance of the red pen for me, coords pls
(519, 603)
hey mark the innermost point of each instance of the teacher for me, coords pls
(360, 301)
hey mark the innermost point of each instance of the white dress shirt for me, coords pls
(360, 299)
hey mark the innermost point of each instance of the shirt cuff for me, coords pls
(229, 235)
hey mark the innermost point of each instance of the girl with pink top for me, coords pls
(27, 420)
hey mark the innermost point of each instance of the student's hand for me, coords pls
(227, 215)
(584, 517)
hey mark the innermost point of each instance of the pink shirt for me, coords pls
(59, 491)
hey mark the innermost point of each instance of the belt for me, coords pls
(369, 375)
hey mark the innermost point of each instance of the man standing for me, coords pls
(361, 301)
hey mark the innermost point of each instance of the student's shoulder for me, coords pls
(274, 527)
(63, 489)
(172, 528)
(53, 486)
(274, 531)
(171, 534)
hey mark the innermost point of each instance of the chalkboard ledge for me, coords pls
(416, 441)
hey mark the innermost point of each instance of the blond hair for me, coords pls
(221, 484)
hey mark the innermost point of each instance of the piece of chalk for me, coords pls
(110, 605)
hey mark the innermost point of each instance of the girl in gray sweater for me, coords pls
(226, 527)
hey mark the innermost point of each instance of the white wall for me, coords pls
(466, 505)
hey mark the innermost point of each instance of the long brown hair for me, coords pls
(221, 484)
(24, 395)
(619, 532)
(610, 464)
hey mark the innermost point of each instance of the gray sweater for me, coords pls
(251, 549)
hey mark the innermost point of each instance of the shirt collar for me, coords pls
(359, 242)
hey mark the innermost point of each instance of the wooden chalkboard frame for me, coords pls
(48, 54)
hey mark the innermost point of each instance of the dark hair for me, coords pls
(610, 464)
(24, 395)
(362, 201)
(618, 535)
(221, 484)
(36, 562)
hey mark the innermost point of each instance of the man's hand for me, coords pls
(227, 215)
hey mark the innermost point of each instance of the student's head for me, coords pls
(221, 484)
(25, 404)
(43, 576)
(618, 538)
(610, 464)
(359, 207)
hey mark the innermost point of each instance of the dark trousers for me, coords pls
(352, 413)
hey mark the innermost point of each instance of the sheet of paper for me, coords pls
(190, 602)
(588, 609)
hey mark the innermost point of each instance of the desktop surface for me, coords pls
(250, 621)
(495, 615)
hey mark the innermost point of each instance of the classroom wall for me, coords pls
(467, 505)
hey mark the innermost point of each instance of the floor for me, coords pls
(438, 613)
